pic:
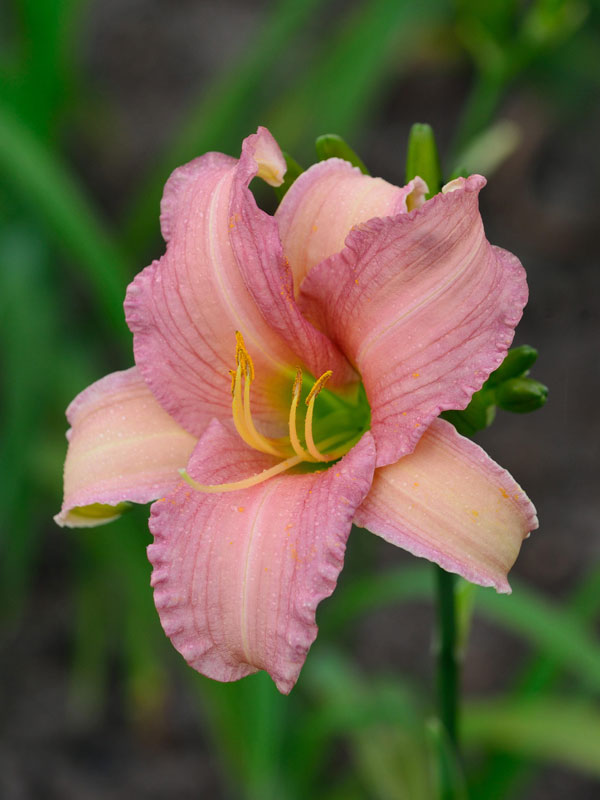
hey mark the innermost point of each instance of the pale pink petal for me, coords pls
(122, 447)
(449, 502)
(324, 203)
(424, 307)
(223, 271)
(238, 576)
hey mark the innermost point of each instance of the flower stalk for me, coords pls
(448, 672)
(423, 160)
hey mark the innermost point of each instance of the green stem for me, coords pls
(447, 670)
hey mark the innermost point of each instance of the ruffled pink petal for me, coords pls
(223, 271)
(424, 307)
(449, 502)
(122, 447)
(325, 202)
(238, 576)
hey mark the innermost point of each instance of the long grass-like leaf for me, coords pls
(59, 202)
(382, 723)
(38, 80)
(113, 576)
(548, 729)
(346, 81)
(248, 722)
(228, 110)
(503, 770)
(553, 630)
(27, 337)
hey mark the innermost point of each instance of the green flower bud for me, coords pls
(521, 395)
(479, 414)
(330, 145)
(422, 158)
(516, 364)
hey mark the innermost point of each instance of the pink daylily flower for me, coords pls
(296, 366)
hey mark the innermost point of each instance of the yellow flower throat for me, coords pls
(311, 453)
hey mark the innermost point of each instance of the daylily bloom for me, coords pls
(296, 365)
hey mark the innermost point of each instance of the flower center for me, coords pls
(339, 427)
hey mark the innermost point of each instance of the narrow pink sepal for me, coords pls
(223, 271)
(238, 576)
(122, 447)
(449, 502)
(323, 204)
(424, 307)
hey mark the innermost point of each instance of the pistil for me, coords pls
(243, 484)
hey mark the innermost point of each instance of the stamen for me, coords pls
(237, 408)
(244, 484)
(264, 443)
(318, 385)
(242, 415)
(242, 356)
(310, 402)
(295, 442)
(241, 378)
(253, 480)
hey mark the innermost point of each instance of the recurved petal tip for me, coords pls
(268, 156)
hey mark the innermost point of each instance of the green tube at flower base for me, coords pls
(330, 145)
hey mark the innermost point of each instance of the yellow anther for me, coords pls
(318, 385)
(297, 388)
(310, 402)
(242, 415)
(242, 356)
(294, 441)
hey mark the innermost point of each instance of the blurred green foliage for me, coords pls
(63, 274)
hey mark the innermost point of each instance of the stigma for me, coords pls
(290, 448)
